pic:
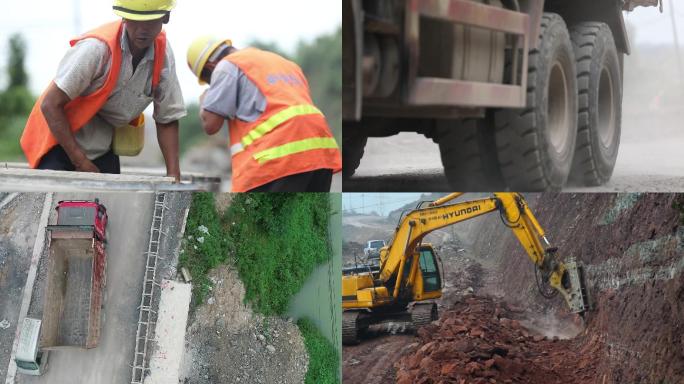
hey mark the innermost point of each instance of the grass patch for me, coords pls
(277, 241)
(205, 245)
(324, 362)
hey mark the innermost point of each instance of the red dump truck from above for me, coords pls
(76, 277)
(519, 94)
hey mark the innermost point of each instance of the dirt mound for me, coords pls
(477, 341)
(228, 343)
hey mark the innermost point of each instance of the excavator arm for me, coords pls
(565, 278)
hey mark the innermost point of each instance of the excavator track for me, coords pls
(350, 327)
(423, 314)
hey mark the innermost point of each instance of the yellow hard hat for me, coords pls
(200, 51)
(142, 10)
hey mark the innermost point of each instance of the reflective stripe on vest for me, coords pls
(290, 137)
(236, 148)
(276, 120)
(295, 147)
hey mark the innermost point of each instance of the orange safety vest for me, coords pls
(37, 138)
(290, 137)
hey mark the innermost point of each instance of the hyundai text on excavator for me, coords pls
(410, 276)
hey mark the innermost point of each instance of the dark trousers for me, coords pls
(313, 181)
(57, 160)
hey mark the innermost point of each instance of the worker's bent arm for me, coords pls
(53, 109)
(211, 122)
(167, 135)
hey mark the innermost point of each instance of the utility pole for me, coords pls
(678, 53)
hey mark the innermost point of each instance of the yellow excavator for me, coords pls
(410, 277)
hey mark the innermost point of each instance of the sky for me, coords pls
(49, 25)
(381, 203)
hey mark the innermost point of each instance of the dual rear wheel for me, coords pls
(570, 129)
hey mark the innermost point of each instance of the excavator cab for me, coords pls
(431, 282)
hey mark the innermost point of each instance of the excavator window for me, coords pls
(428, 267)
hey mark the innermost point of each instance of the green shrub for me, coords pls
(10, 131)
(277, 241)
(324, 362)
(205, 243)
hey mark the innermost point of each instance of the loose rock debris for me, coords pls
(477, 342)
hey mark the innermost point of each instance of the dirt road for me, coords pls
(371, 361)
(410, 162)
(18, 226)
(109, 363)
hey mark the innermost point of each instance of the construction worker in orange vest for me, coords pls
(279, 141)
(103, 83)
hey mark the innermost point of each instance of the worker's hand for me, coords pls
(175, 175)
(85, 165)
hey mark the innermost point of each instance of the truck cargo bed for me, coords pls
(73, 327)
(71, 315)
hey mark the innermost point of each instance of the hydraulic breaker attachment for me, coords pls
(574, 287)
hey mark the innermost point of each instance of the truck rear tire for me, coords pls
(352, 151)
(535, 145)
(468, 155)
(599, 80)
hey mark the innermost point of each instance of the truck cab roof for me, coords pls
(28, 340)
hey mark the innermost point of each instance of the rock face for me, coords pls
(632, 246)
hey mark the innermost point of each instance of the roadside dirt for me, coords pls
(372, 361)
(227, 343)
(18, 227)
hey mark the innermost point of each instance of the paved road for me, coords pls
(409, 162)
(128, 231)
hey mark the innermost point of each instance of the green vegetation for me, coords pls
(205, 244)
(15, 101)
(275, 240)
(323, 359)
(279, 238)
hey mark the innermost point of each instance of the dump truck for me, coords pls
(73, 294)
(518, 94)
(76, 276)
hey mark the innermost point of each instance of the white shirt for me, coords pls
(84, 69)
(232, 95)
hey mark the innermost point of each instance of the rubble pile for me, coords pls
(477, 342)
